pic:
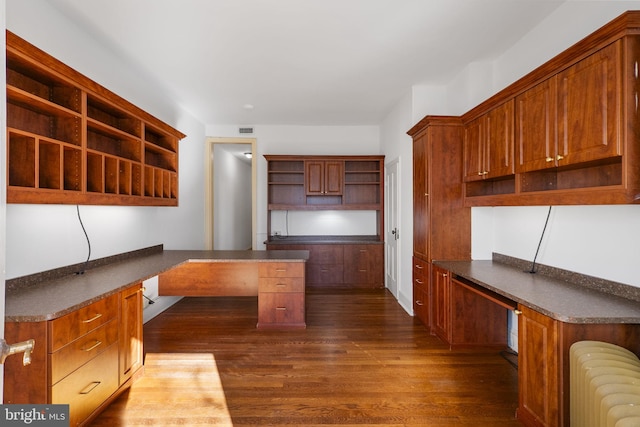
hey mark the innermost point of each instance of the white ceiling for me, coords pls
(313, 62)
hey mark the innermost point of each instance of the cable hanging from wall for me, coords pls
(533, 264)
(84, 266)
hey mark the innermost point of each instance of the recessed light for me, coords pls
(248, 154)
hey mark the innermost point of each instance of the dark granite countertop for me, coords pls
(322, 240)
(561, 298)
(51, 298)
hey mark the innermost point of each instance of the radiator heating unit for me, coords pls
(604, 385)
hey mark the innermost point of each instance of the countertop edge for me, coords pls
(60, 296)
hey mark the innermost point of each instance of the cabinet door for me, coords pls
(333, 177)
(538, 374)
(130, 332)
(499, 141)
(536, 127)
(589, 108)
(363, 264)
(324, 177)
(420, 197)
(441, 303)
(474, 140)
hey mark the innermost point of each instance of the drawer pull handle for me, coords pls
(281, 284)
(363, 250)
(418, 302)
(281, 270)
(418, 266)
(96, 345)
(362, 271)
(96, 317)
(281, 308)
(418, 281)
(88, 389)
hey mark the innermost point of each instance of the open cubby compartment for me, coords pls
(160, 158)
(72, 164)
(601, 173)
(136, 179)
(104, 112)
(45, 120)
(324, 200)
(157, 183)
(111, 175)
(115, 143)
(124, 177)
(166, 184)
(28, 77)
(174, 185)
(362, 171)
(49, 165)
(286, 194)
(362, 194)
(95, 173)
(22, 160)
(286, 166)
(159, 138)
(149, 181)
(490, 187)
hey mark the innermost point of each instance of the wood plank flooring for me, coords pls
(361, 361)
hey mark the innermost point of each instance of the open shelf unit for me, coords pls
(71, 141)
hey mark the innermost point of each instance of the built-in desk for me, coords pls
(88, 327)
(554, 311)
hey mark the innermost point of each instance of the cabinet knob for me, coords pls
(559, 157)
(549, 159)
(445, 274)
(517, 312)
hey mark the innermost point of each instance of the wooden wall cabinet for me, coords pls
(324, 177)
(441, 222)
(575, 132)
(325, 182)
(488, 144)
(84, 358)
(71, 141)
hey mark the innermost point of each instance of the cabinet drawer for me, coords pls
(281, 269)
(73, 325)
(281, 284)
(420, 273)
(80, 351)
(326, 254)
(281, 308)
(89, 386)
(325, 274)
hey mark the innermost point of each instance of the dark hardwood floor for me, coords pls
(361, 361)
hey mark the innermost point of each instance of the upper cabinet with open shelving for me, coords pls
(71, 141)
(574, 135)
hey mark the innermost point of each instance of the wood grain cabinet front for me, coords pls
(421, 292)
(281, 295)
(84, 358)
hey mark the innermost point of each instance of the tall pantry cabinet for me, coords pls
(441, 223)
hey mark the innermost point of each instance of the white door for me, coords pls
(392, 230)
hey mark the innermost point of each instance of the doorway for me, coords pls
(230, 199)
(392, 225)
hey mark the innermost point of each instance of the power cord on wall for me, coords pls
(84, 267)
(533, 264)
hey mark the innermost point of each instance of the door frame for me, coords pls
(387, 218)
(208, 186)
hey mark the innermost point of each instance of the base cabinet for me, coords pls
(84, 358)
(341, 264)
(281, 295)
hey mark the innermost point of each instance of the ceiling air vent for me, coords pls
(246, 130)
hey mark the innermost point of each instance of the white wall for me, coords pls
(232, 206)
(42, 237)
(304, 140)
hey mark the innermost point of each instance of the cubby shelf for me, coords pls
(71, 141)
